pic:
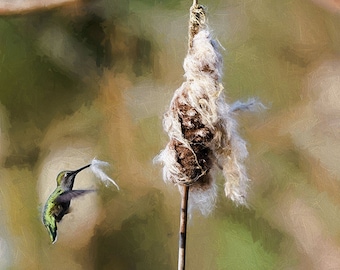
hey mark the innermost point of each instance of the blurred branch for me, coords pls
(331, 5)
(10, 7)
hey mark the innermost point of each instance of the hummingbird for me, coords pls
(58, 203)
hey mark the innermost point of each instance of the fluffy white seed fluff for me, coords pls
(209, 119)
(96, 168)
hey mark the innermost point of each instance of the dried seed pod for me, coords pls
(203, 134)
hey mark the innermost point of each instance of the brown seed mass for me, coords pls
(196, 162)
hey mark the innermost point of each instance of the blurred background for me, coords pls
(85, 79)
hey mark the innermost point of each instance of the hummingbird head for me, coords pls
(65, 179)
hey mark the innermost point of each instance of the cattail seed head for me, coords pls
(200, 125)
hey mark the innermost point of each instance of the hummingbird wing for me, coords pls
(71, 194)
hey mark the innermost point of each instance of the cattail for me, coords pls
(201, 125)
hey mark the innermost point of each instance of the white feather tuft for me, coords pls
(96, 168)
(251, 104)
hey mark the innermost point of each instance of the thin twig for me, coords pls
(183, 228)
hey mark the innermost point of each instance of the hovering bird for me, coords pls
(58, 203)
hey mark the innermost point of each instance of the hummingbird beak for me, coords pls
(82, 168)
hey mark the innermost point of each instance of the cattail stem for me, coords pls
(183, 228)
